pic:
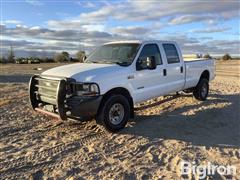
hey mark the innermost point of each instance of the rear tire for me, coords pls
(114, 113)
(201, 90)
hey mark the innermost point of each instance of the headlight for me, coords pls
(86, 89)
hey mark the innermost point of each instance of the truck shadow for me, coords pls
(216, 124)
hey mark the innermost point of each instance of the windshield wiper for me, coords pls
(122, 63)
(107, 62)
(92, 62)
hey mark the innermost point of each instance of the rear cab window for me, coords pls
(171, 53)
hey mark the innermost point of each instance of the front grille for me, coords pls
(46, 90)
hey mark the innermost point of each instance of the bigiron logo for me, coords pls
(202, 171)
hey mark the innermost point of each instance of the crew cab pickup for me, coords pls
(115, 77)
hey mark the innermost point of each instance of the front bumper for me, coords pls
(64, 105)
(83, 106)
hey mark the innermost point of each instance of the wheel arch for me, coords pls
(119, 90)
(205, 75)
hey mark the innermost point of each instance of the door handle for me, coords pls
(181, 69)
(164, 72)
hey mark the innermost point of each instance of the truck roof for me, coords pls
(140, 41)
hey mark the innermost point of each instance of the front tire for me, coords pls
(201, 90)
(114, 113)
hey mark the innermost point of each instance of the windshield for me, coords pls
(122, 54)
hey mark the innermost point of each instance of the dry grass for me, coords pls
(10, 99)
(7, 69)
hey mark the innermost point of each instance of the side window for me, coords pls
(151, 50)
(171, 53)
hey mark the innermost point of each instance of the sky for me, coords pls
(43, 28)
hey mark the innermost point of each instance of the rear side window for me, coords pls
(151, 50)
(171, 53)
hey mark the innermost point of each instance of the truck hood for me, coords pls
(85, 72)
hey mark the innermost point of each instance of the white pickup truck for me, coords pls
(115, 77)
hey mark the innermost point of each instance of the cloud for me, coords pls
(211, 30)
(179, 12)
(225, 46)
(122, 20)
(48, 41)
(12, 21)
(28, 53)
(181, 39)
(37, 33)
(131, 31)
(93, 18)
(177, 8)
(206, 38)
(46, 45)
(22, 47)
(2, 27)
(34, 2)
(86, 4)
(8, 43)
(43, 39)
(185, 19)
(99, 15)
(153, 10)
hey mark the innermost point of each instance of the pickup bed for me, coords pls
(115, 77)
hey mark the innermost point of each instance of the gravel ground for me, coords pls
(165, 131)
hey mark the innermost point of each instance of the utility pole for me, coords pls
(11, 55)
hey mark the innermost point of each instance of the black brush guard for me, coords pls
(55, 96)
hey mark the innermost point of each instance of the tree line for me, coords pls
(224, 57)
(64, 56)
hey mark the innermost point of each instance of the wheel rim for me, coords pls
(204, 90)
(116, 113)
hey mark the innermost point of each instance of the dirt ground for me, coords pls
(165, 132)
(24, 69)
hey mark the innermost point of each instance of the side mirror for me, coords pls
(146, 63)
(151, 63)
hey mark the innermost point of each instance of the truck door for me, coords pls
(174, 71)
(149, 83)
